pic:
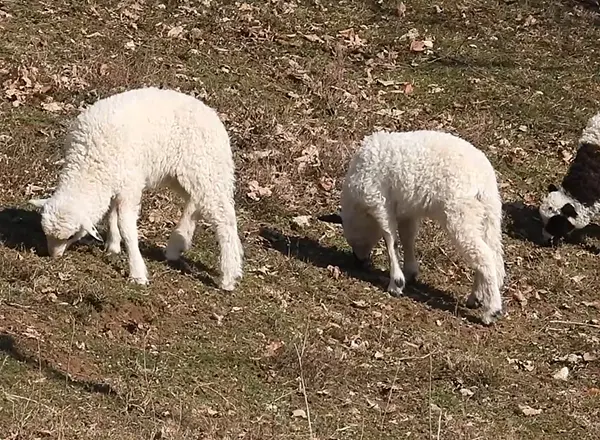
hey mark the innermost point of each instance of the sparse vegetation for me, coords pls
(84, 354)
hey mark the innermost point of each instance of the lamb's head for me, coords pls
(63, 224)
(559, 215)
(361, 232)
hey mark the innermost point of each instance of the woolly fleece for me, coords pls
(145, 138)
(395, 179)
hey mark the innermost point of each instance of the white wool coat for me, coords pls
(394, 179)
(138, 139)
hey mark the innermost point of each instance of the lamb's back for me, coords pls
(421, 167)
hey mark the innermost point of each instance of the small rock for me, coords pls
(360, 304)
(465, 392)
(195, 34)
(529, 411)
(588, 357)
(562, 374)
(299, 413)
(301, 221)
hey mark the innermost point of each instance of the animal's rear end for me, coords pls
(492, 225)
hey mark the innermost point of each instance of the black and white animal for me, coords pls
(395, 179)
(575, 203)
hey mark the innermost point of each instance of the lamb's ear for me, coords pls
(552, 187)
(38, 203)
(94, 233)
(568, 210)
(331, 218)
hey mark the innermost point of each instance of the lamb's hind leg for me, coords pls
(128, 211)
(220, 211)
(464, 231)
(408, 229)
(181, 237)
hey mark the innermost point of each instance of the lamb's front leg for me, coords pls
(397, 281)
(113, 242)
(127, 219)
(389, 230)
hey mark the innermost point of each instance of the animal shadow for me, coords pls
(309, 250)
(523, 222)
(8, 346)
(184, 265)
(21, 229)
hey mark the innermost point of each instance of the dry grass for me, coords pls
(84, 354)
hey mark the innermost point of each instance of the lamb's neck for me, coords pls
(89, 196)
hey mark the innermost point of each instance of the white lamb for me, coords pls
(145, 138)
(394, 179)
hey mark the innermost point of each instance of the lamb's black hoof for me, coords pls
(488, 319)
(396, 287)
(472, 302)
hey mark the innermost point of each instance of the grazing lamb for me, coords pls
(576, 202)
(145, 138)
(394, 179)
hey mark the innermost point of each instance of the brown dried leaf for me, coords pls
(53, 106)
(529, 411)
(310, 155)
(401, 9)
(529, 21)
(327, 183)
(417, 46)
(257, 192)
(520, 297)
(351, 38)
(334, 271)
(175, 32)
(567, 156)
(314, 38)
(272, 348)
(360, 304)
(421, 45)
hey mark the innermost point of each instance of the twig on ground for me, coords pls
(302, 384)
(389, 399)
(430, 388)
(582, 324)
(67, 375)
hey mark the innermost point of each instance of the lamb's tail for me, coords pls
(492, 227)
